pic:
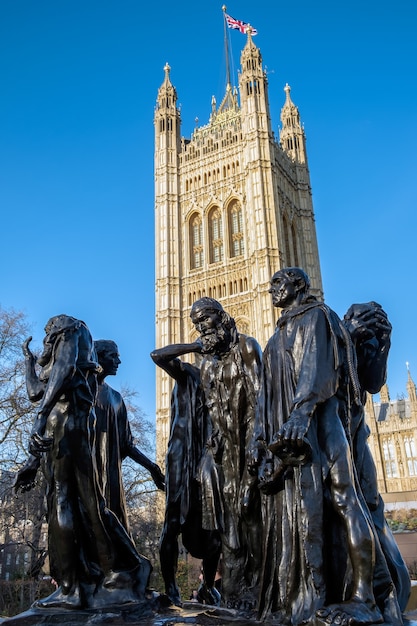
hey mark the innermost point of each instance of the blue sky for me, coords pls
(79, 84)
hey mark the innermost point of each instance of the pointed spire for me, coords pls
(411, 387)
(292, 134)
(384, 394)
(167, 117)
(249, 34)
(251, 57)
(287, 90)
(229, 101)
(167, 70)
(167, 95)
(166, 83)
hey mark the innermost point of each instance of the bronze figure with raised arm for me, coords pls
(189, 430)
(229, 373)
(91, 555)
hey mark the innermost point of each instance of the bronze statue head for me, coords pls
(216, 327)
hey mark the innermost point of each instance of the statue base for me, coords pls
(156, 611)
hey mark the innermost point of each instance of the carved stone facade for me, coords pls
(393, 443)
(232, 206)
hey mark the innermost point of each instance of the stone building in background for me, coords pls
(393, 443)
(233, 205)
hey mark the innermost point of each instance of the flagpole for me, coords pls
(226, 48)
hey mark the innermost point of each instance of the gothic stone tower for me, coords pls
(232, 206)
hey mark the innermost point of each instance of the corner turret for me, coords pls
(292, 135)
(412, 395)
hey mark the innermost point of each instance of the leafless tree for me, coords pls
(22, 517)
(16, 411)
(143, 499)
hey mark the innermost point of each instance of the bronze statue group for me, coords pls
(269, 476)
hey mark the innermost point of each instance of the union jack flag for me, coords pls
(239, 25)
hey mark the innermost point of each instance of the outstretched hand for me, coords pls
(293, 432)
(25, 477)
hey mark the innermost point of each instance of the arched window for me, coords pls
(389, 458)
(294, 245)
(216, 236)
(196, 242)
(411, 454)
(237, 242)
(287, 249)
